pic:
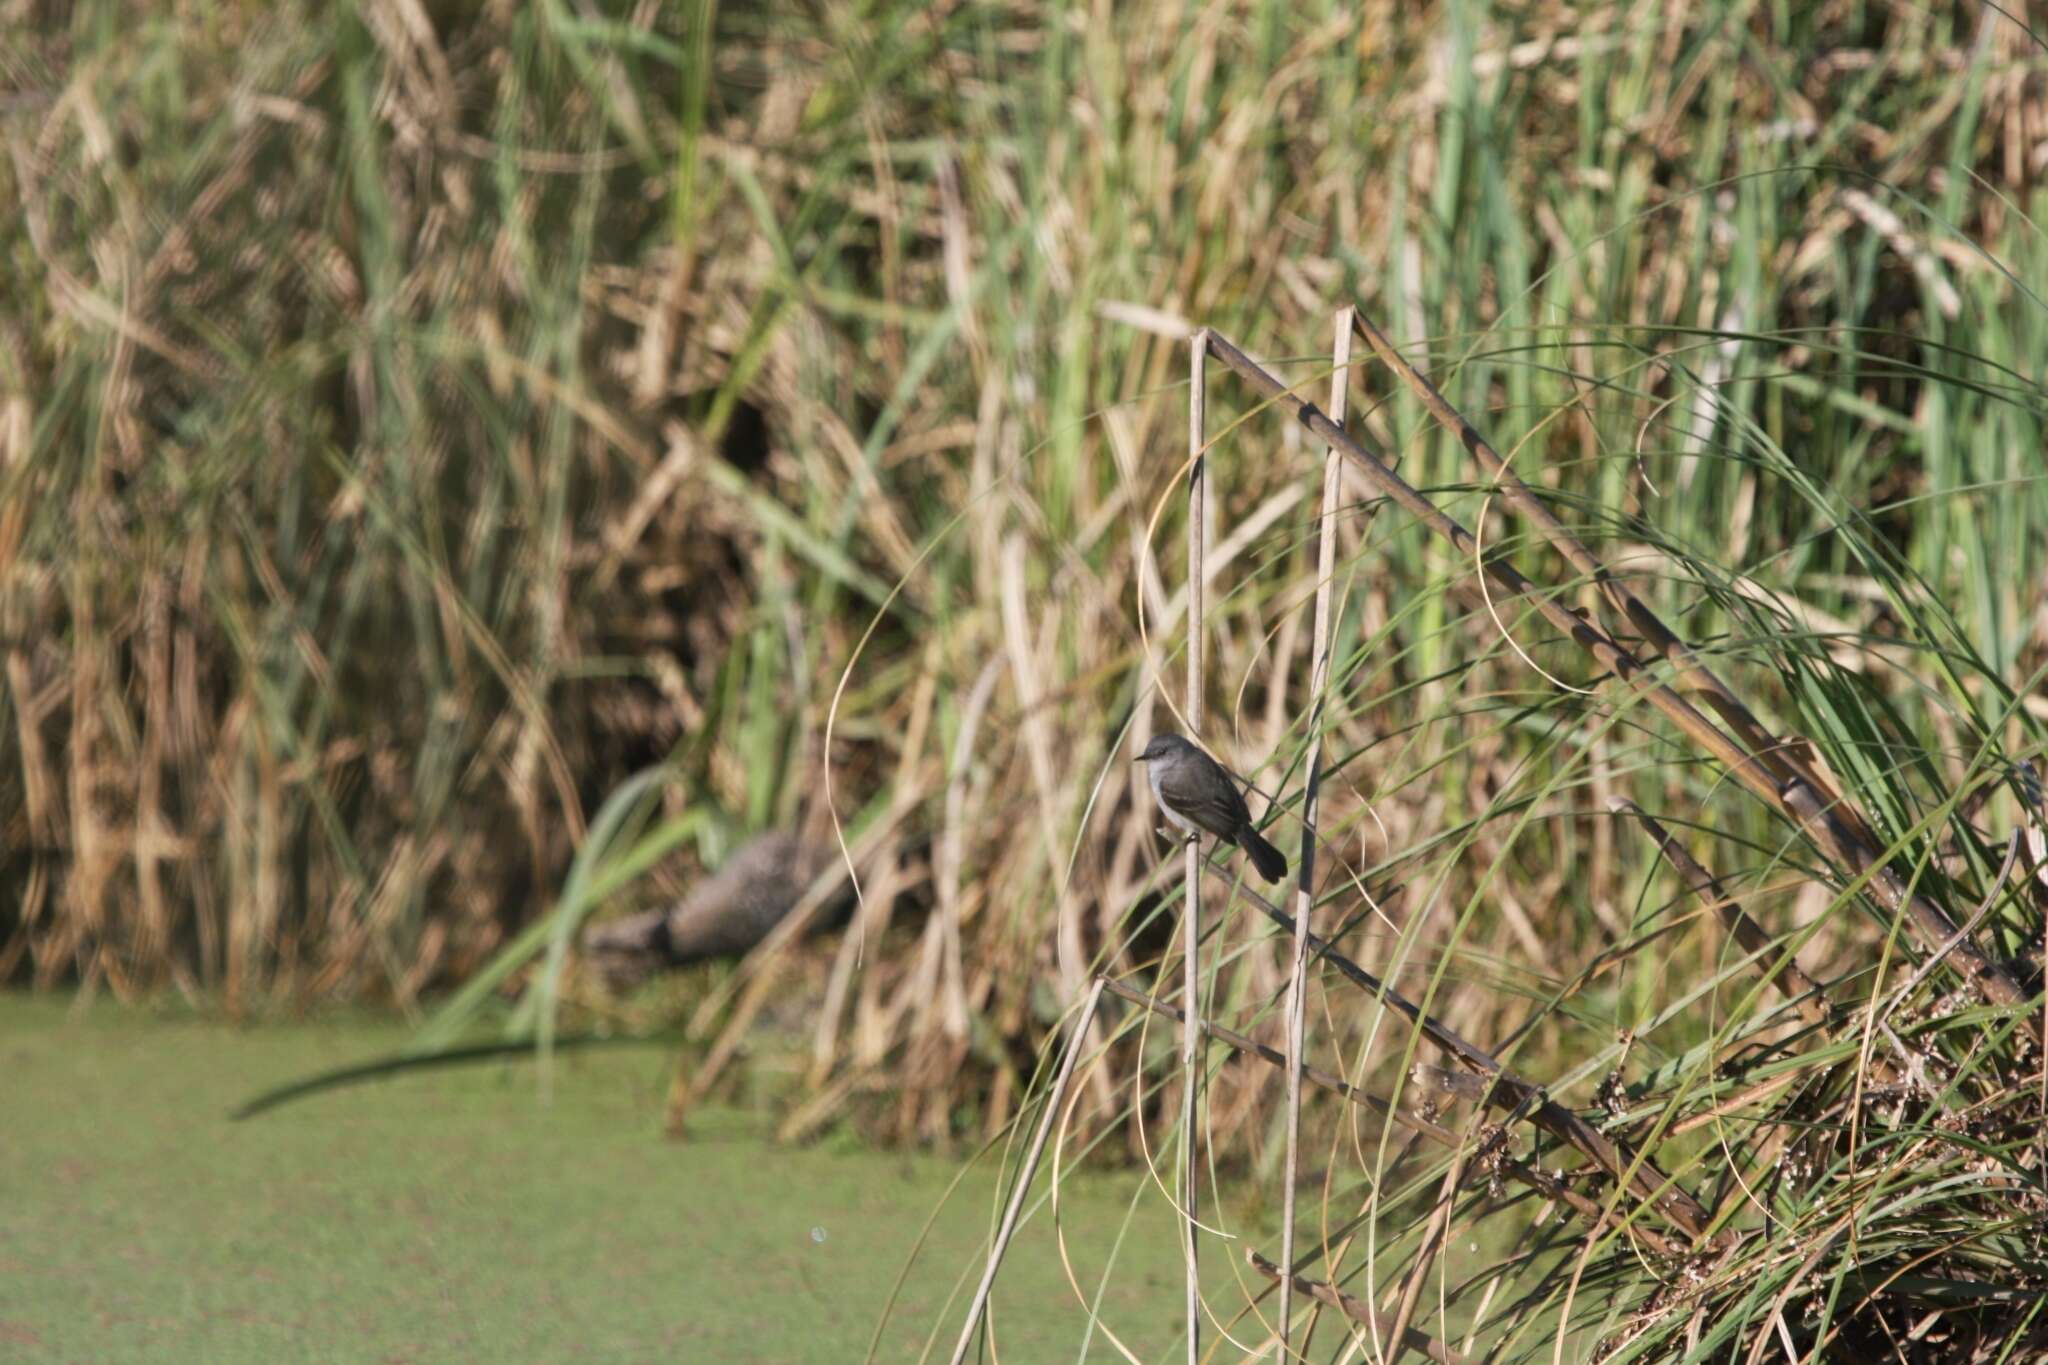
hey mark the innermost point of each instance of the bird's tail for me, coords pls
(1266, 858)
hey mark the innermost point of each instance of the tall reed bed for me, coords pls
(1897, 1171)
(463, 469)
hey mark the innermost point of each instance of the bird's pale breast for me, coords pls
(1157, 771)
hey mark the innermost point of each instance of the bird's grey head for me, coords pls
(1164, 746)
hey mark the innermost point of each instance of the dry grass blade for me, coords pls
(1358, 1310)
(1534, 1176)
(1807, 996)
(1426, 1254)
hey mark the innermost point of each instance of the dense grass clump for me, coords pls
(462, 460)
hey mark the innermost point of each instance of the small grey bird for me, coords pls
(1200, 796)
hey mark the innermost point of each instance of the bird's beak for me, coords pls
(1139, 759)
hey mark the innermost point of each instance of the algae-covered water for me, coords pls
(456, 1216)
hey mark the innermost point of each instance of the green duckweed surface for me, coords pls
(457, 1216)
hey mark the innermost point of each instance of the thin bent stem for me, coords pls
(1521, 1097)
(1191, 1026)
(1533, 1175)
(1075, 1041)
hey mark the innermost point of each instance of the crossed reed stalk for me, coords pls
(1645, 1205)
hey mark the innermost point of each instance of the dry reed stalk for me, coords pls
(1358, 1310)
(1304, 899)
(1191, 917)
(1076, 1041)
(93, 841)
(40, 802)
(1792, 794)
(950, 999)
(1806, 993)
(268, 884)
(147, 832)
(1432, 1240)
(870, 922)
(1038, 746)
(192, 740)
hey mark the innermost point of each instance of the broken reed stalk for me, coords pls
(1806, 994)
(1784, 971)
(1304, 896)
(1355, 1308)
(1520, 1097)
(1075, 1042)
(1962, 935)
(1783, 758)
(1812, 807)
(1191, 977)
(1535, 1177)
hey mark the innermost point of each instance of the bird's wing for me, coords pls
(1195, 791)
